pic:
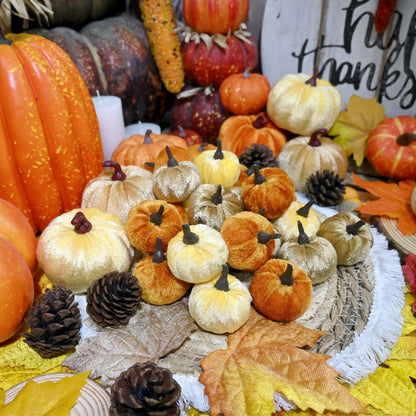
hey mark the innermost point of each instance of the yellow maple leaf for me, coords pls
(353, 125)
(2, 397)
(46, 398)
(264, 357)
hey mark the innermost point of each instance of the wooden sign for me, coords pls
(339, 38)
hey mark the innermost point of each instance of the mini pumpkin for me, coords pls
(351, 237)
(180, 154)
(218, 166)
(250, 238)
(221, 305)
(82, 245)
(413, 200)
(281, 291)
(158, 285)
(196, 254)
(119, 189)
(176, 181)
(212, 204)
(269, 191)
(302, 103)
(316, 255)
(303, 156)
(151, 219)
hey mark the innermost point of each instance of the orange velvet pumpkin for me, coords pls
(245, 93)
(179, 153)
(280, 290)
(238, 132)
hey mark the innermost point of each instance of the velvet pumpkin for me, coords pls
(239, 132)
(391, 148)
(413, 200)
(45, 161)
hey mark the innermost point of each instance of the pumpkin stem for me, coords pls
(118, 174)
(246, 73)
(3, 40)
(81, 224)
(286, 278)
(218, 153)
(157, 217)
(189, 237)
(312, 80)
(303, 237)
(304, 211)
(222, 282)
(258, 177)
(406, 139)
(314, 140)
(158, 256)
(264, 238)
(182, 132)
(355, 228)
(260, 121)
(150, 164)
(147, 138)
(217, 196)
(171, 160)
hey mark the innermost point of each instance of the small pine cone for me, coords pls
(113, 299)
(55, 323)
(325, 188)
(258, 154)
(145, 389)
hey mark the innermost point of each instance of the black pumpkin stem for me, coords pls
(286, 278)
(81, 224)
(222, 282)
(217, 196)
(406, 139)
(263, 237)
(303, 237)
(189, 237)
(314, 140)
(259, 178)
(304, 211)
(171, 160)
(157, 217)
(158, 256)
(147, 138)
(312, 80)
(219, 153)
(260, 121)
(354, 228)
(118, 174)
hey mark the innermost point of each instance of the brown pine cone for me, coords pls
(325, 188)
(258, 154)
(145, 389)
(113, 299)
(55, 323)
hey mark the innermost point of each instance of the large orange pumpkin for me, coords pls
(49, 135)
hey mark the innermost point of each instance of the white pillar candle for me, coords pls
(140, 128)
(110, 119)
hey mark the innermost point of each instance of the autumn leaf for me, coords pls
(264, 357)
(151, 333)
(353, 125)
(394, 202)
(47, 398)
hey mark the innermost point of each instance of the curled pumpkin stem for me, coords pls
(286, 278)
(171, 160)
(260, 122)
(222, 282)
(354, 228)
(118, 174)
(406, 139)
(304, 211)
(264, 238)
(81, 224)
(147, 138)
(314, 140)
(312, 80)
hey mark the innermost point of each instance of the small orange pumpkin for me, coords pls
(281, 291)
(179, 153)
(238, 132)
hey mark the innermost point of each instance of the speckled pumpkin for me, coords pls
(351, 237)
(281, 291)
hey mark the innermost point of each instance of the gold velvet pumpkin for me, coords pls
(351, 237)
(81, 246)
(211, 204)
(250, 239)
(221, 305)
(196, 254)
(303, 156)
(316, 255)
(281, 291)
(119, 189)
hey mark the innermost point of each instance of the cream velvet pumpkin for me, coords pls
(297, 105)
(81, 246)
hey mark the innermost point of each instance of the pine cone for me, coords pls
(258, 154)
(113, 299)
(325, 188)
(145, 389)
(55, 323)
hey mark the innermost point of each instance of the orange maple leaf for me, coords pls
(394, 202)
(264, 357)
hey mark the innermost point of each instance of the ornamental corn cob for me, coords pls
(159, 22)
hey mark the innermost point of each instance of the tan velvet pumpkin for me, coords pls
(305, 155)
(211, 204)
(316, 255)
(118, 189)
(351, 237)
